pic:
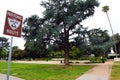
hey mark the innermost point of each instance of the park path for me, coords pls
(99, 72)
(3, 77)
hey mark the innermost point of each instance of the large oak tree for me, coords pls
(61, 20)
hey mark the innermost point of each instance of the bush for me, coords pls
(71, 62)
(77, 62)
(97, 59)
(84, 58)
(92, 59)
(40, 59)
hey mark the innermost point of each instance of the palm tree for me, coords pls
(106, 9)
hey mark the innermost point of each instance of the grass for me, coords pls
(44, 71)
(115, 75)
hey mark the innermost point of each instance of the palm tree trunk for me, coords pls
(109, 23)
(112, 32)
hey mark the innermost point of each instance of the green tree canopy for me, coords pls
(117, 43)
(100, 41)
(61, 20)
(4, 44)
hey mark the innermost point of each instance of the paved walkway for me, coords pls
(3, 77)
(99, 72)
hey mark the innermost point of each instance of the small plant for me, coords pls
(84, 58)
(71, 62)
(77, 62)
(92, 58)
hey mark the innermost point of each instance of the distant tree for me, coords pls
(15, 48)
(17, 53)
(4, 44)
(35, 51)
(3, 53)
(75, 53)
(61, 20)
(99, 41)
(117, 38)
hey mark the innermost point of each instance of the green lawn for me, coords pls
(44, 71)
(115, 75)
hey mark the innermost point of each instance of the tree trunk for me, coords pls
(66, 45)
(67, 57)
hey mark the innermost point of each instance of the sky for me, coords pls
(26, 8)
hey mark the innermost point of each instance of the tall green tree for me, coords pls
(61, 20)
(94, 41)
(18, 54)
(99, 41)
(4, 44)
(35, 36)
(117, 38)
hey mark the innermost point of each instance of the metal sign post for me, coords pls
(9, 58)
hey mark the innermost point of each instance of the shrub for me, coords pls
(97, 59)
(71, 62)
(84, 58)
(92, 58)
(77, 62)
